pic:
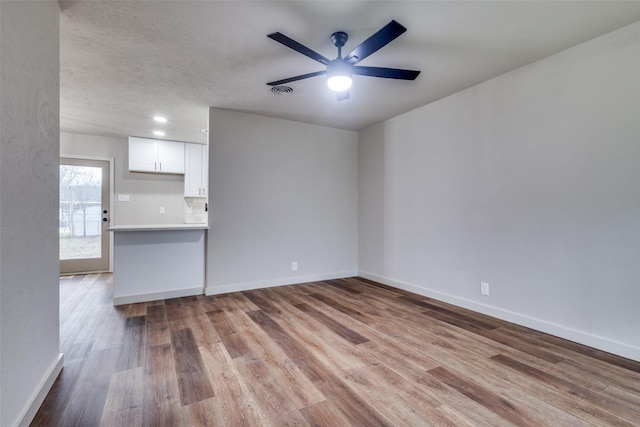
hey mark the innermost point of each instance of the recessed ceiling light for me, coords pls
(158, 133)
(160, 119)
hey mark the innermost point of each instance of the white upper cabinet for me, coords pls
(157, 156)
(143, 154)
(196, 174)
(171, 156)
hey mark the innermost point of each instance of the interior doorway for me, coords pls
(84, 213)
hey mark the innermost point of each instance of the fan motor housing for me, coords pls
(339, 67)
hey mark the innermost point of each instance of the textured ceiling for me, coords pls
(122, 62)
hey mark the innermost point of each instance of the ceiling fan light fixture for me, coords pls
(338, 76)
(339, 83)
(340, 70)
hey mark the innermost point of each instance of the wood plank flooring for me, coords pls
(346, 352)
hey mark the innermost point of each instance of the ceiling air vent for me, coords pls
(282, 90)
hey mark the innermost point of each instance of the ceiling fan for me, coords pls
(340, 70)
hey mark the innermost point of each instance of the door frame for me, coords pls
(110, 160)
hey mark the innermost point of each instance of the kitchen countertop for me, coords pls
(158, 227)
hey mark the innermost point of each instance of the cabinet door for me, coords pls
(196, 162)
(170, 157)
(143, 154)
(204, 165)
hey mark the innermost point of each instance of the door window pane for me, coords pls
(80, 212)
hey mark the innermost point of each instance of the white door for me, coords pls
(84, 215)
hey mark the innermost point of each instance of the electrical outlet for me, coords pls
(484, 288)
(163, 211)
(123, 197)
(294, 266)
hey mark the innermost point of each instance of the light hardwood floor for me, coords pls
(338, 353)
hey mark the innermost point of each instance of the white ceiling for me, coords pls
(122, 62)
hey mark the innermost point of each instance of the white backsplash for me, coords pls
(194, 210)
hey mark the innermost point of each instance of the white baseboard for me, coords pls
(283, 281)
(595, 341)
(33, 405)
(155, 296)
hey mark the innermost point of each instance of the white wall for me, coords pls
(147, 192)
(279, 191)
(30, 356)
(530, 182)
